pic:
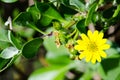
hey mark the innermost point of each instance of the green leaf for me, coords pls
(78, 4)
(87, 75)
(30, 49)
(13, 40)
(4, 41)
(5, 63)
(116, 11)
(51, 73)
(34, 13)
(110, 66)
(111, 52)
(4, 45)
(3, 35)
(67, 10)
(90, 13)
(55, 55)
(81, 26)
(101, 71)
(23, 18)
(111, 11)
(65, 2)
(9, 1)
(48, 13)
(115, 76)
(9, 52)
(26, 19)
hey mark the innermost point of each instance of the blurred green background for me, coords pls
(32, 51)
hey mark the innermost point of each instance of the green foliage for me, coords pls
(9, 1)
(30, 48)
(48, 13)
(50, 28)
(52, 73)
(9, 53)
(90, 13)
(13, 40)
(55, 55)
(81, 26)
(78, 4)
(4, 42)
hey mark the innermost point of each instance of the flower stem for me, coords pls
(72, 33)
(71, 23)
(35, 28)
(76, 35)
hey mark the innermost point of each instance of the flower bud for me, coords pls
(57, 25)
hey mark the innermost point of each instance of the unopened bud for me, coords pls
(57, 25)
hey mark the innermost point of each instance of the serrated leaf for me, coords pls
(30, 49)
(9, 52)
(9, 1)
(90, 13)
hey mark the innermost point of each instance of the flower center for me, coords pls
(92, 47)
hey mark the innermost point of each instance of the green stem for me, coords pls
(116, 11)
(76, 35)
(72, 33)
(71, 23)
(34, 27)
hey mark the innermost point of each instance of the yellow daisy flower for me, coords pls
(92, 46)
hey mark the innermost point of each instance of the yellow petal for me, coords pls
(88, 57)
(90, 35)
(103, 54)
(98, 57)
(101, 42)
(93, 60)
(105, 46)
(95, 35)
(100, 36)
(92, 45)
(79, 47)
(82, 55)
(79, 41)
(84, 37)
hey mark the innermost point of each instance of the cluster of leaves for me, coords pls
(60, 22)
